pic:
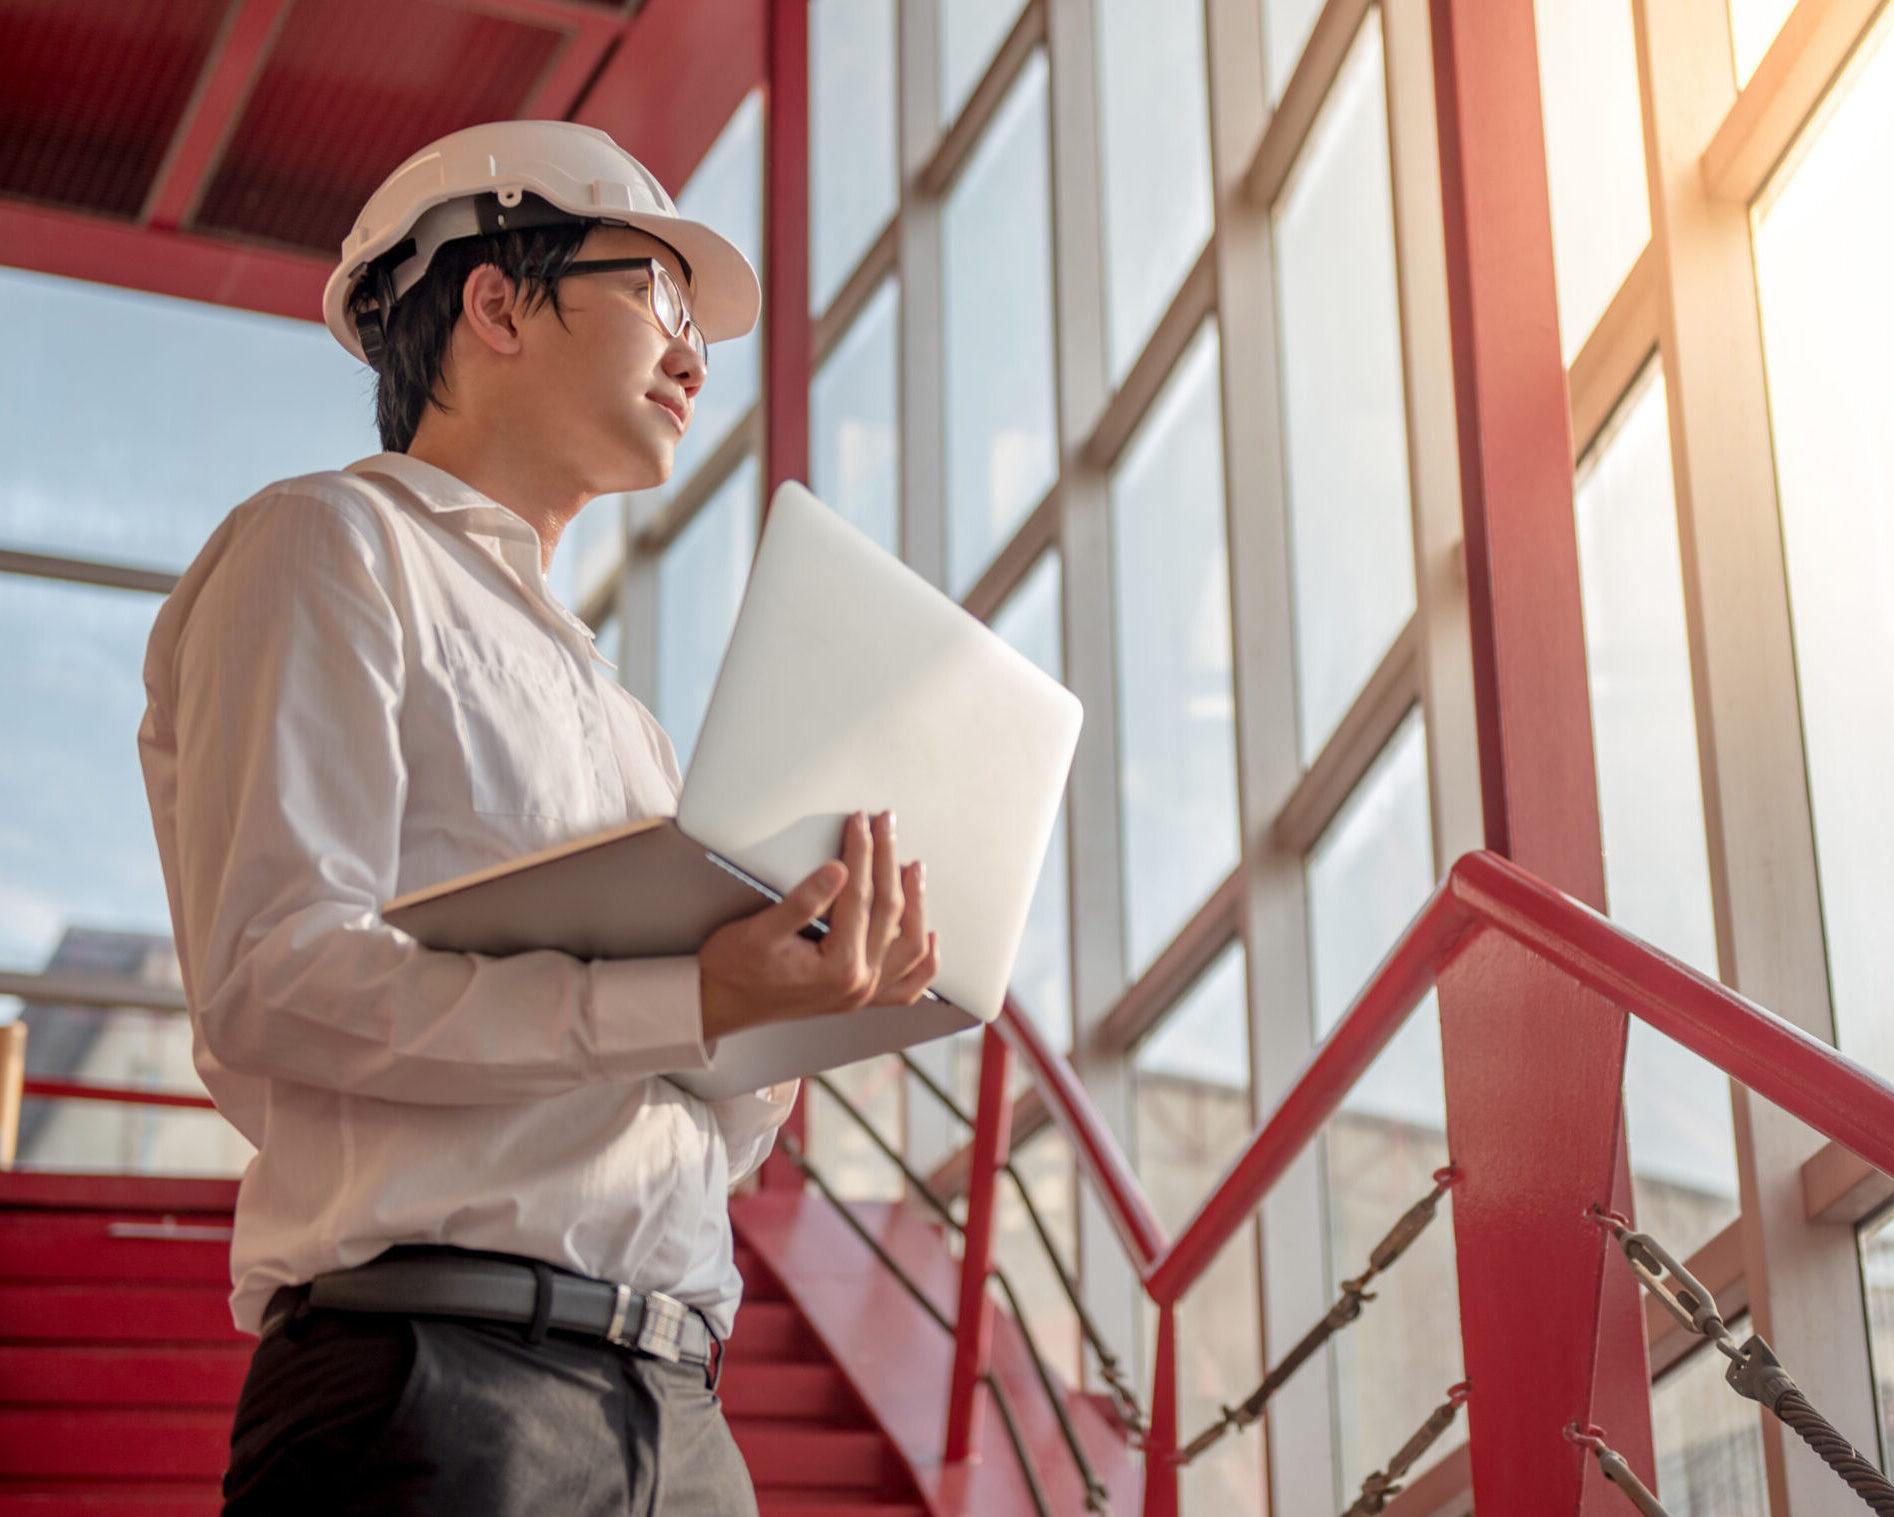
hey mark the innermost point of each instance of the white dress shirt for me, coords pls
(360, 687)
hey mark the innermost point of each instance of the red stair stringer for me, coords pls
(897, 1359)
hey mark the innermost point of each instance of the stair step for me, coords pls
(203, 1499)
(94, 1246)
(115, 1444)
(805, 1391)
(129, 1375)
(146, 1313)
(825, 1500)
(758, 1283)
(192, 1498)
(771, 1330)
(791, 1455)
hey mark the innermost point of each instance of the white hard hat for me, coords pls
(475, 181)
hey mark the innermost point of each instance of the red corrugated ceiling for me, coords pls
(350, 89)
(91, 92)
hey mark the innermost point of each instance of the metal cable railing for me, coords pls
(1385, 1484)
(1754, 1372)
(794, 1152)
(1354, 1295)
(1125, 1404)
(1096, 1492)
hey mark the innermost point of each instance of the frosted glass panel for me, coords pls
(997, 231)
(700, 586)
(853, 179)
(854, 421)
(726, 192)
(1367, 876)
(971, 31)
(1155, 138)
(1594, 148)
(1176, 712)
(1823, 250)
(1192, 1091)
(131, 424)
(1042, 974)
(1650, 794)
(1877, 1281)
(1351, 539)
(590, 549)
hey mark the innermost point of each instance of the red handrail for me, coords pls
(69, 1090)
(1482, 892)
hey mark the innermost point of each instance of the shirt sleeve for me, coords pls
(749, 1124)
(290, 789)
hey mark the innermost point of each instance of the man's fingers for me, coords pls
(910, 942)
(884, 917)
(909, 986)
(848, 923)
(810, 898)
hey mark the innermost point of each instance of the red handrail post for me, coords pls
(1161, 1473)
(973, 1336)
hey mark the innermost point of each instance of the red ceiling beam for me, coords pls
(684, 67)
(230, 73)
(164, 263)
(563, 86)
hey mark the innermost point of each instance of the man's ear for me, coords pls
(490, 304)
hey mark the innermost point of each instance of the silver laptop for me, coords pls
(850, 684)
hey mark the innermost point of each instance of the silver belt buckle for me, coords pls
(661, 1333)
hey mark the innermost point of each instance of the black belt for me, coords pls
(448, 1283)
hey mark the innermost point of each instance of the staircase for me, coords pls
(119, 1368)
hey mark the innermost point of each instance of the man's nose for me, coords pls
(682, 364)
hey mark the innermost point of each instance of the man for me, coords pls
(485, 1243)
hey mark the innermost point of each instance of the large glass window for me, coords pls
(76, 851)
(1345, 418)
(135, 423)
(1193, 1116)
(1176, 712)
(854, 422)
(700, 587)
(1650, 801)
(1753, 26)
(1877, 1281)
(1709, 1440)
(1824, 243)
(1594, 149)
(591, 549)
(1286, 28)
(1367, 876)
(1042, 974)
(1001, 439)
(971, 32)
(853, 178)
(726, 192)
(1155, 130)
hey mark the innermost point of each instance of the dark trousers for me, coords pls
(349, 1413)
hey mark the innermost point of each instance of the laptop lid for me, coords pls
(851, 684)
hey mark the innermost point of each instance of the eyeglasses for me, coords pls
(661, 295)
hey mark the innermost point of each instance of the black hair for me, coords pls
(413, 349)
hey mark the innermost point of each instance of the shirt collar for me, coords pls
(444, 495)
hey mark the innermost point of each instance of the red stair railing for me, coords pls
(1483, 893)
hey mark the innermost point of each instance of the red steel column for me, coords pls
(973, 1331)
(787, 328)
(1534, 1065)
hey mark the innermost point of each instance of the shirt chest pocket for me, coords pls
(517, 724)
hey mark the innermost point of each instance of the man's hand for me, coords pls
(878, 951)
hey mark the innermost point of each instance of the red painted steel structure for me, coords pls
(973, 1337)
(787, 328)
(1534, 1109)
(1485, 904)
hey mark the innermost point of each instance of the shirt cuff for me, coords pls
(646, 1016)
(750, 1116)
